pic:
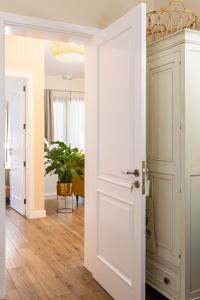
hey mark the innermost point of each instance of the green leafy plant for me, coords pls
(64, 161)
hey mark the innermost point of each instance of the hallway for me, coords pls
(45, 258)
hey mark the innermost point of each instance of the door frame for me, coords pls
(42, 28)
(29, 141)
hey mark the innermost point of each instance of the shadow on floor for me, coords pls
(152, 294)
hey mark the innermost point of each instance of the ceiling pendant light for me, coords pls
(67, 52)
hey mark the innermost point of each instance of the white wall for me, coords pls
(50, 186)
(26, 55)
(56, 82)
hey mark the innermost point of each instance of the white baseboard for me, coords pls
(36, 214)
(50, 196)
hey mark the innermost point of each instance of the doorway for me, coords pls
(70, 95)
(42, 29)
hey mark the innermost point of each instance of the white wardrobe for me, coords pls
(173, 126)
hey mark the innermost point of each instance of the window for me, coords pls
(68, 118)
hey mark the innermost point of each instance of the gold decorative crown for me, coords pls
(165, 21)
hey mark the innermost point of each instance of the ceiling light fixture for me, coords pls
(7, 30)
(67, 52)
(67, 77)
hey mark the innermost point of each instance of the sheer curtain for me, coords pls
(68, 112)
(48, 116)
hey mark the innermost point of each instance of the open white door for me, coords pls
(116, 145)
(16, 97)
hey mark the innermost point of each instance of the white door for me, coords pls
(16, 97)
(116, 145)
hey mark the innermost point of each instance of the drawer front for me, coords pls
(165, 280)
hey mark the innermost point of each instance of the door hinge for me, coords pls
(24, 126)
(180, 191)
(180, 62)
(24, 163)
(143, 176)
(24, 201)
(24, 88)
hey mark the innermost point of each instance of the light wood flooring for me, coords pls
(45, 258)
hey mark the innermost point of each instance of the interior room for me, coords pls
(62, 86)
(64, 109)
(102, 159)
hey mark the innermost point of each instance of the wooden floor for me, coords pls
(45, 258)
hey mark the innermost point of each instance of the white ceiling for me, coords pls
(55, 67)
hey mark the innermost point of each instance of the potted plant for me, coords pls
(67, 163)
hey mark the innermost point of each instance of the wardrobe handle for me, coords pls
(166, 280)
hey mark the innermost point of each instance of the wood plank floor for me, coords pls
(44, 258)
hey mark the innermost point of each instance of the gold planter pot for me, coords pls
(64, 189)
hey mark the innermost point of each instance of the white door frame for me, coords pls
(29, 178)
(84, 34)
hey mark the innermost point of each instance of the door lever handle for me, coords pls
(135, 184)
(136, 172)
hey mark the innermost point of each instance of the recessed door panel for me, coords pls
(115, 235)
(114, 88)
(161, 115)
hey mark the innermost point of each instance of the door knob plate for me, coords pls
(136, 184)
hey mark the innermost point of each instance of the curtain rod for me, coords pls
(65, 91)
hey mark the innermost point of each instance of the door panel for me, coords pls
(111, 103)
(115, 144)
(15, 96)
(107, 242)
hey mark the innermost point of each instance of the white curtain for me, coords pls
(68, 112)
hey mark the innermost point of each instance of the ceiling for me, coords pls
(98, 13)
(55, 67)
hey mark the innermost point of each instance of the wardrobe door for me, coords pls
(164, 155)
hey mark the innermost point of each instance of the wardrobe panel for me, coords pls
(173, 136)
(161, 113)
(194, 107)
(162, 193)
(164, 154)
(166, 217)
(194, 234)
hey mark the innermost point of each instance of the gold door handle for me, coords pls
(136, 172)
(135, 184)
